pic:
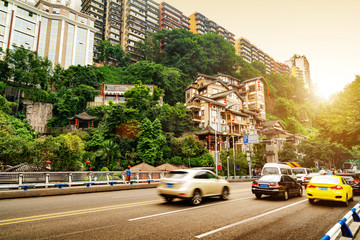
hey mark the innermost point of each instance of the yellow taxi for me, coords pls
(329, 187)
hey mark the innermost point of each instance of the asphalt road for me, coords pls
(142, 214)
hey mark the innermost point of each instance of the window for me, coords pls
(110, 87)
(46, 8)
(283, 171)
(69, 45)
(72, 16)
(252, 88)
(213, 113)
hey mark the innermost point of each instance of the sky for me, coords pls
(325, 31)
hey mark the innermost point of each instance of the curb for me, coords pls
(9, 194)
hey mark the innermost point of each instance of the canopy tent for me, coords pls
(167, 167)
(144, 167)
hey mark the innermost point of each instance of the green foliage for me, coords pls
(2, 85)
(340, 119)
(27, 68)
(112, 54)
(288, 153)
(176, 119)
(6, 106)
(20, 128)
(329, 155)
(108, 151)
(151, 141)
(13, 149)
(292, 125)
(259, 66)
(70, 153)
(247, 71)
(191, 53)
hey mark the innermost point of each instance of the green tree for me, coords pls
(288, 153)
(259, 66)
(108, 150)
(27, 68)
(176, 119)
(151, 141)
(340, 119)
(112, 54)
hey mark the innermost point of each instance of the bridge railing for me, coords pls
(348, 226)
(25, 180)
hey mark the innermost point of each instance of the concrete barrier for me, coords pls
(41, 192)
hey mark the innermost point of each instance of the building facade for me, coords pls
(302, 64)
(281, 68)
(55, 31)
(171, 18)
(251, 53)
(225, 106)
(115, 93)
(199, 24)
(139, 18)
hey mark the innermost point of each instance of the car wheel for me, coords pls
(196, 198)
(346, 203)
(225, 194)
(258, 195)
(311, 201)
(169, 199)
(285, 195)
(300, 192)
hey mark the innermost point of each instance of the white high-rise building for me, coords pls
(51, 28)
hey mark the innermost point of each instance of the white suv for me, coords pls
(193, 185)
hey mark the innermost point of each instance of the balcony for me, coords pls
(194, 105)
(196, 118)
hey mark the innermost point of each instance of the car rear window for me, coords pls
(299, 171)
(325, 179)
(176, 174)
(270, 178)
(270, 170)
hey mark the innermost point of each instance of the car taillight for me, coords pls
(274, 185)
(337, 187)
(255, 185)
(355, 181)
(310, 186)
(305, 178)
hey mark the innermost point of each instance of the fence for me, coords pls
(348, 226)
(26, 180)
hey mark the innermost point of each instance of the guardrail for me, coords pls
(348, 226)
(26, 180)
(240, 177)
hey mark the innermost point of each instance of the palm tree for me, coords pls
(108, 150)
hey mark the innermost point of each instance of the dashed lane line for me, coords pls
(247, 220)
(186, 209)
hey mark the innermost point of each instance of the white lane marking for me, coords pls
(187, 209)
(247, 220)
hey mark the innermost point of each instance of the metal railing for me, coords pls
(25, 180)
(342, 228)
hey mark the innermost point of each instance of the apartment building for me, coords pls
(171, 18)
(250, 53)
(108, 20)
(302, 63)
(53, 30)
(115, 93)
(296, 72)
(199, 24)
(140, 17)
(281, 68)
(225, 106)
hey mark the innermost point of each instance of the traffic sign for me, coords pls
(254, 138)
(246, 138)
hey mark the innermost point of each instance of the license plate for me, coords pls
(169, 185)
(264, 185)
(323, 188)
(298, 177)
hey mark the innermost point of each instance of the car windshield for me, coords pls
(270, 170)
(325, 179)
(176, 174)
(299, 171)
(348, 178)
(270, 178)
